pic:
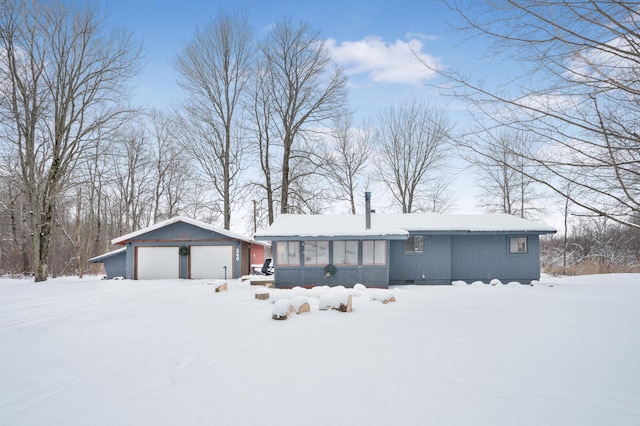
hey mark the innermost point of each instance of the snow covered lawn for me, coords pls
(90, 352)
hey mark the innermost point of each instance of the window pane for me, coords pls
(323, 253)
(518, 245)
(345, 252)
(281, 248)
(316, 252)
(367, 252)
(374, 252)
(414, 244)
(293, 257)
(380, 255)
(309, 252)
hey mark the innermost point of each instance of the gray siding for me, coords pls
(348, 276)
(446, 257)
(115, 266)
(181, 233)
(431, 267)
(484, 257)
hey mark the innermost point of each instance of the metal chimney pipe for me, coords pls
(367, 209)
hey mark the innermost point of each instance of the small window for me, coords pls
(414, 244)
(345, 253)
(316, 253)
(374, 252)
(518, 245)
(288, 253)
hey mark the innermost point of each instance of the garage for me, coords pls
(154, 252)
(154, 263)
(207, 262)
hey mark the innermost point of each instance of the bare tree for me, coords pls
(502, 173)
(577, 93)
(134, 176)
(264, 130)
(303, 91)
(411, 138)
(347, 159)
(171, 167)
(62, 75)
(214, 69)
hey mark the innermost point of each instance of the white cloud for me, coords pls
(381, 61)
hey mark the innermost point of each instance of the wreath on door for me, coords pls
(184, 250)
(329, 270)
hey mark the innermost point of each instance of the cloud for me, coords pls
(383, 62)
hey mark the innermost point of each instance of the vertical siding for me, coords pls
(431, 267)
(115, 266)
(484, 257)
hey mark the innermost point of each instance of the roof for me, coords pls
(123, 239)
(102, 257)
(295, 225)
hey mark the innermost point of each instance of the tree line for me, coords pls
(264, 128)
(262, 120)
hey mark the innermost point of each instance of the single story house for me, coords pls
(181, 247)
(379, 250)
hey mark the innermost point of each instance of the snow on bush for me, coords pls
(495, 281)
(458, 282)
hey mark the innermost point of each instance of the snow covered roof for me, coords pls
(123, 239)
(99, 259)
(290, 225)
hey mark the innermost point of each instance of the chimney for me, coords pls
(367, 210)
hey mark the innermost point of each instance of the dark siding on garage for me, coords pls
(115, 266)
(178, 234)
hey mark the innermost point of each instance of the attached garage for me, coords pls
(157, 263)
(211, 261)
(181, 248)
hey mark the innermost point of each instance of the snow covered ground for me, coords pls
(91, 352)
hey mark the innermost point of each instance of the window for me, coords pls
(316, 252)
(374, 252)
(414, 244)
(518, 245)
(345, 253)
(288, 253)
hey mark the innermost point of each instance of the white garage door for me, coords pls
(158, 263)
(209, 261)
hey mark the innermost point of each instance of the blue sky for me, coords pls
(369, 39)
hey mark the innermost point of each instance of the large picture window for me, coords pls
(374, 252)
(345, 253)
(316, 252)
(288, 253)
(518, 245)
(414, 244)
